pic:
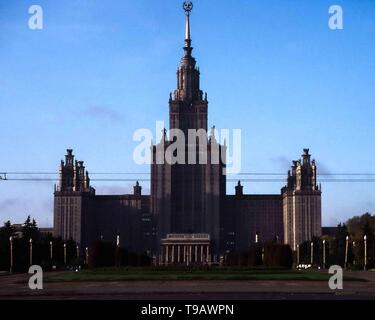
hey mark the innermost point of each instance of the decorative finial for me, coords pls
(187, 6)
(212, 133)
(164, 134)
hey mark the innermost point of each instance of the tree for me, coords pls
(359, 225)
(30, 229)
(7, 231)
(337, 255)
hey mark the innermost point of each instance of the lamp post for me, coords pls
(262, 254)
(31, 251)
(11, 254)
(365, 257)
(324, 254)
(87, 255)
(312, 253)
(354, 252)
(51, 250)
(64, 253)
(118, 241)
(346, 251)
(77, 247)
(297, 255)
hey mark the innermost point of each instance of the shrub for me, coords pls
(278, 255)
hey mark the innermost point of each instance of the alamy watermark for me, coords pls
(174, 147)
(336, 281)
(36, 280)
(336, 20)
(36, 19)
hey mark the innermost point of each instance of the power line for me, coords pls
(144, 173)
(228, 180)
(244, 176)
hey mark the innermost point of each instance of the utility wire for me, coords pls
(143, 173)
(228, 180)
(326, 177)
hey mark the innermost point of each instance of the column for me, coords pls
(196, 253)
(166, 254)
(172, 253)
(207, 253)
(184, 258)
(178, 253)
(201, 253)
(190, 247)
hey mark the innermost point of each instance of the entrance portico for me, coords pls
(185, 249)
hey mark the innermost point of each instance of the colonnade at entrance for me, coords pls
(185, 249)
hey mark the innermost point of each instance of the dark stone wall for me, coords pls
(96, 216)
(122, 215)
(245, 215)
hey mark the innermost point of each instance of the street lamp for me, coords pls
(87, 255)
(77, 251)
(118, 241)
(346, 251)
(31, 251)
(312, 253)
(11, 253)
(324, 254)
(297, 255)
(51, 250)
(354, 252)
(365, 260)
(65, 253)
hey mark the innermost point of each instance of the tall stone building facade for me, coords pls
(302, 202)
(186, 195)
(73, 209)
(188, 208)
(82, 215)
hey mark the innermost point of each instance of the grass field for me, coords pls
(149, 274)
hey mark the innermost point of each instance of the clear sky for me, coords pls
(99, 70)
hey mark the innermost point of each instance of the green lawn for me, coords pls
(133, 274)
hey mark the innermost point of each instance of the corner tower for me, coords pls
(302, 202)
(73, 215)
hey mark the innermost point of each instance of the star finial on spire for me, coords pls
(188, 6)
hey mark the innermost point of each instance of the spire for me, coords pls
(187, 73)
(188, 6)
(187, 30)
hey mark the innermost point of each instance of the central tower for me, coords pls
(187, 106)
(185, 197)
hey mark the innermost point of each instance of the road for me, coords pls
(16, 287)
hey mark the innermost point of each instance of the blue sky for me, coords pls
(99, 70)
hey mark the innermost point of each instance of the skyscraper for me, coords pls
(186, 196)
